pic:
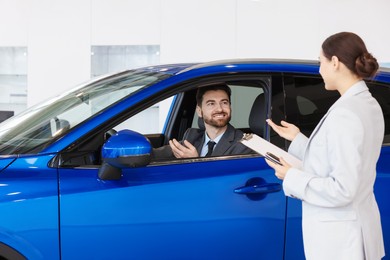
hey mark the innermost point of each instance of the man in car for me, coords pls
(218, 136)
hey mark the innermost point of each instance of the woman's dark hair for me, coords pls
(350, 49)
(202, 90)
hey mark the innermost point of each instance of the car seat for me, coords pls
(258, 115)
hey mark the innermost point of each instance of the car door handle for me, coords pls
(259, 188)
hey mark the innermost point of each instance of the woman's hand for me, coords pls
(285, 130)
(280, 170)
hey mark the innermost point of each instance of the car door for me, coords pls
(202, 208)
(186, 210)
(381, 91)
(307, 101)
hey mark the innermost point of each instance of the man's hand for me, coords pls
(285, 130)
(280, 170)
(183, 151)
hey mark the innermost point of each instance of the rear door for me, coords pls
(177, 209)
(306, 103)
(381, 92)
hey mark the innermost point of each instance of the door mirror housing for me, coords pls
(124, 149)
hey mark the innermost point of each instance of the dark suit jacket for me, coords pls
(228, 144)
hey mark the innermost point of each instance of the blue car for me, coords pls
(78, 179)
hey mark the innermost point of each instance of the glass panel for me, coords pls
(242, 98)
(108, 59)
(242, 102)
(149, 121)
(36, 127)
(385, 64)
(307, 102)
(382, 94)
(13, 81)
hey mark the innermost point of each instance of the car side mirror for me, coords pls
(124, 149)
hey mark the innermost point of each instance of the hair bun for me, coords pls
(366, 65)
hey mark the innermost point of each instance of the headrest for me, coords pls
(257, 115)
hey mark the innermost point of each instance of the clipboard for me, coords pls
(262, 146)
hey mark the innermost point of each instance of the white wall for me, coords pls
(59, 33)
(59, 46)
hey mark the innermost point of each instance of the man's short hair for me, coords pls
(219, 86)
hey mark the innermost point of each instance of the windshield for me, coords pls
(40, 125)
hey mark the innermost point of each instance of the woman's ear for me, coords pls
(335, 62)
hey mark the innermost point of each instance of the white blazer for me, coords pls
(340, 216)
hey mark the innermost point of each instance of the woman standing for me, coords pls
(340, 216)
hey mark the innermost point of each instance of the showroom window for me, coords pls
(109, 59)
(385, 64)
(13, 81)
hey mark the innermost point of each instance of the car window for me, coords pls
(149, 121)
(242, 99)
(166, 117)
(382, 94)
(307, 101)
(32, 130)
(152, 121)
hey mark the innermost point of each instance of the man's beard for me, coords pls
(217, 122)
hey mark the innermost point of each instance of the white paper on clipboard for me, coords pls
(262, 146)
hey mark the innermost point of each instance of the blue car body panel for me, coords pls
(189, 210)
(381, 190)
(29, 206)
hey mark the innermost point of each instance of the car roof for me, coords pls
(177, 68)
(274, 65)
